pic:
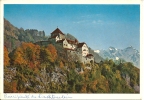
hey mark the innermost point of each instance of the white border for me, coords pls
(75, 96)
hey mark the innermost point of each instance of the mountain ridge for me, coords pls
(13, 36)
(129, 54)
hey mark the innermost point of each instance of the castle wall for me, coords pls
(52, 40)
(43, 43)
(65, 44)
(85, 50)
(87, 60)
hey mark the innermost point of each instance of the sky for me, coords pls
(100, 26)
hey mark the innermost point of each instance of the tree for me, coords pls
(45, 57)
(6, 57)
(53, 52)
(26, 55)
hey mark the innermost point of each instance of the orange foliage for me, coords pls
(53, 51)
(61, 64)
(27, 54)
(93, 85)
(6, 57)
(7, 87)
(83, 90)
(14, 86)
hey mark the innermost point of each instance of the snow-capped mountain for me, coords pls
(129, 54)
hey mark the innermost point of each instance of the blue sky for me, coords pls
(100, 26)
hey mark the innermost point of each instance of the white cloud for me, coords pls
(87, 22)
(86, 16)
(97, 22)
(94, 21)
(91, 16)
(79, 22)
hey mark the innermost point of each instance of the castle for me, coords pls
(73, 47)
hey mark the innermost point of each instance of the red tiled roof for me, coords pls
(76, 40)
(54, 36)
(57, 30)
(89, 55)
(80, 45)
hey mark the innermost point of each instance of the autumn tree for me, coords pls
(6, 57)
(27, 55)
(53, 52)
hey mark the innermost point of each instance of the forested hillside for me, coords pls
(33, 69)
(14, 36)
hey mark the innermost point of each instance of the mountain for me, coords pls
(14, 36)
(128, 54)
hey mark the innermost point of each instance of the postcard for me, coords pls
(71, 50)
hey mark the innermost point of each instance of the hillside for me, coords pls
(34, 69)
(14, 36)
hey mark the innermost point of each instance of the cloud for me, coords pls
(79, 22)
(88, 22)
(86, 16)
(97, 22)
(90, 16)
(88, 19)
(94, 21)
